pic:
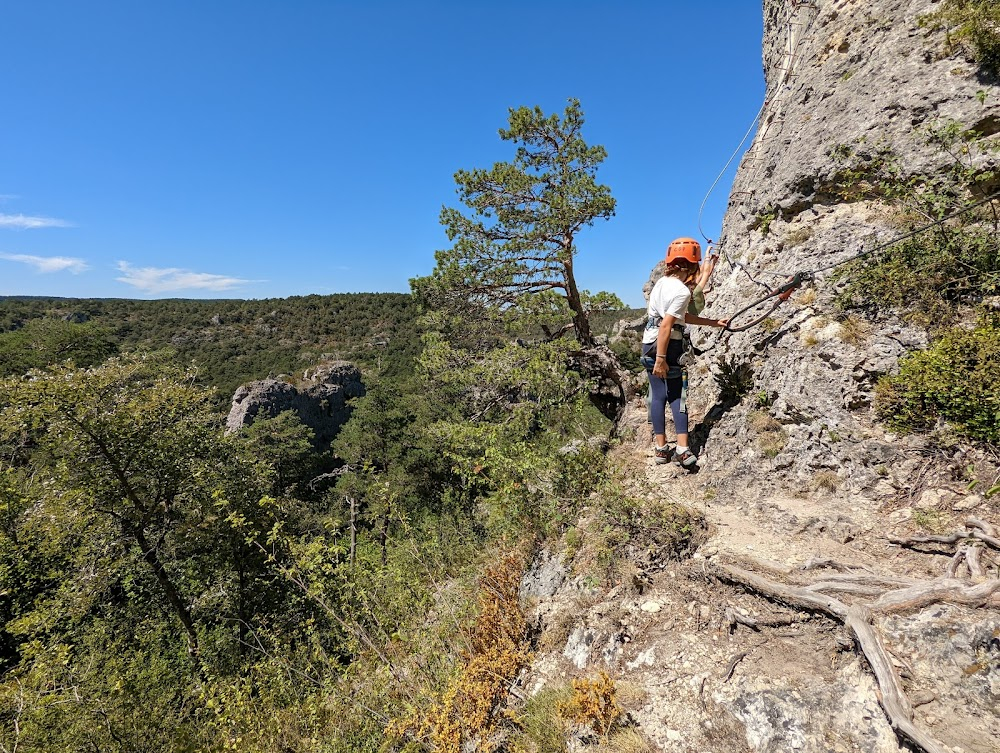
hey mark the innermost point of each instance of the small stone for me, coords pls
(901, 516)
(931, 498)
(969, 503)
(651, 606)
(674, 736)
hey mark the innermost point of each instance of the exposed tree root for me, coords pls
(818, 562)
(968, 551)
(732, 665)
(894, 595)
(941, 591)
(734, 618)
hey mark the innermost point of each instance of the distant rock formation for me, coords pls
(321, 401)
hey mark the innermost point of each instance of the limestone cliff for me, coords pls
(798, 481)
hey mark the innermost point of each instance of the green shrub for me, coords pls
(930, 275)
(973, 25)
(954, 379)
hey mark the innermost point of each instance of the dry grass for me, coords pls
(798, 236)
(825, 481)
(771, 435)
(854, 330)
(762, 421)
(626, 741)
(806, 297)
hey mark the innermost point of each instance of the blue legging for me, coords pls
(670, 390)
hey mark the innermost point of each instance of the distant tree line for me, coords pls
(229, 341)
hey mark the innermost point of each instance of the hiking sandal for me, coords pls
(685, 459)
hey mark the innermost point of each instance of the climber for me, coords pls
(663, 346)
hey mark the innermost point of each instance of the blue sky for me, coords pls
(256, 149)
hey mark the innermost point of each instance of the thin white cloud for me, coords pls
(46, 264)
(24, 222)
(166, 280)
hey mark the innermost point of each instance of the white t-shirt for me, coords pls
(669, 296)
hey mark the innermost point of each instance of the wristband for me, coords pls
(658, 355)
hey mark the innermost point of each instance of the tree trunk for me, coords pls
(171, 592)
(354, 530)
(580, 320)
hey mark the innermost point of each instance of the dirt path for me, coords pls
(696, 680)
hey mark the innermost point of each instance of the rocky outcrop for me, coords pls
(839, 72)
(321, 401)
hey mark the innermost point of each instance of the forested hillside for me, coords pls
(491, 556)
(230, 341)
(166, 586)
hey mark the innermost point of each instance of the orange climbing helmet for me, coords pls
(684, 248)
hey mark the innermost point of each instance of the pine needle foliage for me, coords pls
(515, 243)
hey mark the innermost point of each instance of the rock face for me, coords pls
(321, 403)
(795, 472)
(838, 72)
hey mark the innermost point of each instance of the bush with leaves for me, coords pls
(956, 263)
(522, 423)
(955, 379)
(971, 24)
(42, 342)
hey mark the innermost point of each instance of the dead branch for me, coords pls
(854, 589)
(910, 541)
(893, 699)
(952, 570)
(977, 533)
(792, 596)
(972, 560)
(861, 584)
(732, 665)
(734, 618)
(986, 539)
